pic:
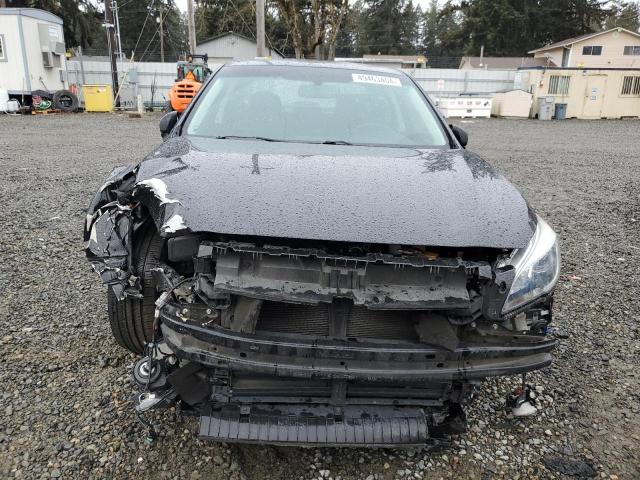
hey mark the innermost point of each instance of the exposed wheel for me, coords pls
(65, 100)
(132, 319)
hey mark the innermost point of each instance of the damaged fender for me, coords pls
(121, 207)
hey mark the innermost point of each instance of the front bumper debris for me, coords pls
(326, 358)
(297, 346)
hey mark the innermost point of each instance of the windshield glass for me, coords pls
(315, 104)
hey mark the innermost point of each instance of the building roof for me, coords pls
(506, 63)
(571, 41)
(33, 13)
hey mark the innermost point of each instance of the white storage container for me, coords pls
(4, 99)
(512, 103)
(465, 107)
(13, 106)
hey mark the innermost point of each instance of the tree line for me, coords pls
(327, 28)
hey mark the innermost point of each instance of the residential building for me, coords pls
(614, 48)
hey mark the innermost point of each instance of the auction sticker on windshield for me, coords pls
(376, 79)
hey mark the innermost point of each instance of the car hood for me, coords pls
(332, 192)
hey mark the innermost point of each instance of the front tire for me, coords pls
(132, 319)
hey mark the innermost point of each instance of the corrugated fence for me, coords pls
(152, 80)
(438, 82)
(449, 82)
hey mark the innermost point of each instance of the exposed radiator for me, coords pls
(314, 320)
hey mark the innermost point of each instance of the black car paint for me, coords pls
(336, 193)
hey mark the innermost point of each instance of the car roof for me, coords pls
(319, 64)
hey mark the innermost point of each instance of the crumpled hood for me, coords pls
(331, 192)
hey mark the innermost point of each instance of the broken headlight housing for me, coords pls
(537, 268)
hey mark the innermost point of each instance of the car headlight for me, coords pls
(537, 268)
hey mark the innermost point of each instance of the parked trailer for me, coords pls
(33, 53)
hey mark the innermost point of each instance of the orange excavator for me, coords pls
(191, 75)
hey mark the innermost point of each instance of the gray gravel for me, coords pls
(65, 386)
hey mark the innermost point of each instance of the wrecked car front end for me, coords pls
(297, 341)
(320, 271)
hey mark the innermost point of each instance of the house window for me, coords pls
(632, 50)
(631, 86)
(559, 85)
(3, 49)
(592, 50)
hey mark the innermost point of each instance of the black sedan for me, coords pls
(313, 257)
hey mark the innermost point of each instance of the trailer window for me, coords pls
(631, 86)
(559, 84)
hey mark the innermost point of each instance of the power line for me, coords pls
(149, 10)
(154, 34)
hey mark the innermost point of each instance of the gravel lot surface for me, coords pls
(65, 386)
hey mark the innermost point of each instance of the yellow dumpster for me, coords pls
(97, 98)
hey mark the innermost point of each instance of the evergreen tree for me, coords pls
(442, 33)
(383, 24)
(498, 25)
(350, 31)
(82, 24)
(410, 26)
(625, 15)
(513, 27)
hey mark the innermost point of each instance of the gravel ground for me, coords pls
(65, 386)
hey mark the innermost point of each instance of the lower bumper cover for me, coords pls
(291, 425)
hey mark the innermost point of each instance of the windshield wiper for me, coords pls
(240, 137)
(335, 142)
(267, 139)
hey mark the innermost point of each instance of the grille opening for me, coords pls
(255, 386)
(313, 320)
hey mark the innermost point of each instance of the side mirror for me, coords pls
(167, 122)
(460, 134)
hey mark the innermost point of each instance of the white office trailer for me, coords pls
(32, 51)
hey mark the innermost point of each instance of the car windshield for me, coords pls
(315, 105)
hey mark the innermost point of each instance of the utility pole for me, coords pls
(111, 40)
(261, 51)
(161, 35)
(191, 23)
(79, 53)
(115, 11)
